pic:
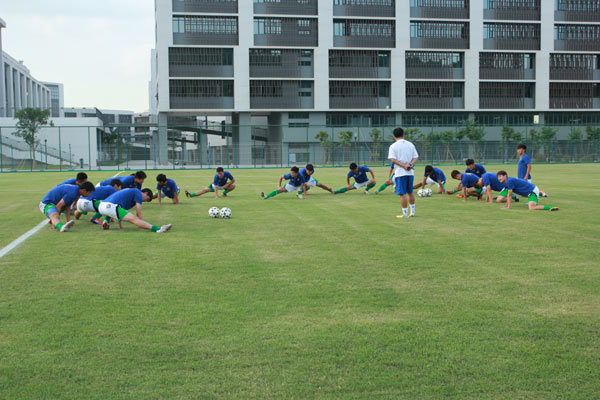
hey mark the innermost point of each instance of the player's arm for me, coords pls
(528, 171)
(305, 188)
(216, 191)
(508, 199)
(413, 162)
(390, 173)
(400, 164)
(440, 186)
(176, 198)
(138, 210)
(464, 189)
(372, 173)
(488, 194)
(160, 196)
(280, 180)
(347, 180)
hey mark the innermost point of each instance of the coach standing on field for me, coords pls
(404, 156)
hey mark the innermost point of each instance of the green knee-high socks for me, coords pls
(342, 190)
(370, 186)
(382, 187)
(272, 194)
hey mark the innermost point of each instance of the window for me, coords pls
(205, 25)
(298, 115)
(200, 88)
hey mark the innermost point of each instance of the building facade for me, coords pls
(340, 63)
(57, 99)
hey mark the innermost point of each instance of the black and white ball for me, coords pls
(225, 213)
(214, 212)
(421, 193)
(428, 192)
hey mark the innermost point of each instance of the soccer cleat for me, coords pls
(105, 226)
(164, 228)
(187, 194)
(96, 221)
(262, 194)
(299, 196)
(224, 194)
(543, 194)
(517, 199)
(66, 226)
(554, 209)
(460, 196)
(366, 192)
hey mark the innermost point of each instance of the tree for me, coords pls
(345, 139)
(30, 122)
(474, 133)
(509, 135)
(375, 135)
(446, 138)
(545, 137)
(411, 134)
(323, 138)
(593, 136)
(575, 137)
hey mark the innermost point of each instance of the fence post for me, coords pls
(89, 150)
(173, 153)
(126, 156)
(59, 151)
(118, 152)
(154, 147)
(70, 160)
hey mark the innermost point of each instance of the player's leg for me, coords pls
(532, 202)
(387, 183)
(273, 193)
(324, 187)
(409, 192)
(228, 188)
(207, 189)
(344, 189)
(401, 191)
(371, 184)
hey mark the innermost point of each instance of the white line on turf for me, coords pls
(27, 235)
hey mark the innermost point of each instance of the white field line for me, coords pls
(27, 235)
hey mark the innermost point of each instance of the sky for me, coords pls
(99, 50)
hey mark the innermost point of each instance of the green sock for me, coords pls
(107, 219)
(342, 190)
(272, 194)
(545, 208)
(224, 191)
(369, 186)
(97, 215)
(59, 226)
(382, 187)
(155, 228)
(192, 194)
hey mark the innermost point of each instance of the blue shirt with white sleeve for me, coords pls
(519, 186)
(222, 181)
(297, 181)
(67, 193)
(360, 176)
(126, 198)
(491, 180)
(522, 167)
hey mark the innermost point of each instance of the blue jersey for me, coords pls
(479, 170)
(437, 175)
(101, 193)
(125, 198)
(469, 180)
(491, 180)
(297, 181)
(519, 186)
(360, 176)
(169, 189)
(68, 193)
(127, 182)
(222, 181)
(305, 175)
(522, 167)
(70, 181)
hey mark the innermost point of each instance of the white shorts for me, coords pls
(312, 182)
(217, 187)
(85, 205)
(529, 180)
(291, 188)
(359, 185)
(431, 182)
(536, 190)
(108, 209)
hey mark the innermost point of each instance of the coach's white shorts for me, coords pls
(85, 205)
(359, 185)
(291, 188)
(108, 209)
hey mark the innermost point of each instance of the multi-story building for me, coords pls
(336, 63)
(57, 99)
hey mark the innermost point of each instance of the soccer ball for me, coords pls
(214, 212)
(225, 213)
(421, 193)
(429, 192)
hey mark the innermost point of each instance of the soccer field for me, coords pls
(328, 297)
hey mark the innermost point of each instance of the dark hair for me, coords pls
(353, 166)
(428, 169)
(220, 169)
(140, 175)
(161, 178)
(116, 182)
(294, 169)
(87, 186)
(454, 173)
(148, 193)
(522, 146)
(470, 161)
(398, 133)
(310, 167)
(501, 173)
(81, 176)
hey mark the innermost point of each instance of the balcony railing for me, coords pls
(577, 16)
(502, 103)
(426, 72)
(511, 44)
(205, 38)
(206, 6)
(573, 102)
(364, 11)
(381, 103)
(209, 103)
(431, 103)
(439, 12)
(512, 14)
(364, 41)
(287, 7)
(200, 70)
(577, 45)
(289, 32)
(572, 74)
(283, 63)
(438, 43)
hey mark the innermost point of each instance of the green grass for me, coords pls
(330, 297)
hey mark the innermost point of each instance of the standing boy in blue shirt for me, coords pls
(223, 180)
(360, 179)
(60, 198)
(524, 166)
(116, 205)
(522, 188)
(296, 182)
(166, 188)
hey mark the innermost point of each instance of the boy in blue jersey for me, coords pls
(360, 179)
(78, 180)
(90, 203)
(433, 176)
(296, 182)
(388, 181)
(524, 166)
(522, 188)
(60, 198)
(223, 180)
(470, 185)
(116, 205)
(307, 173)
(473, 168)
(166, 188)
(132, 181)
(490, 182)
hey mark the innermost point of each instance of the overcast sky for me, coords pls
(99, 50)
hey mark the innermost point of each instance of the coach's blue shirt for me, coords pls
(127, 182)
(360, 176)
(297, 181)
(469, 180)
(68, 193)
(479, 170)
(437, 175)
(491, 180)
(126, 198)
(169, 189)
(519, 186)
(101, 193)
(222, 181)
(522, 167)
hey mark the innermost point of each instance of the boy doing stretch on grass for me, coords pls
(116, 205)
(132, 181)
(522, 188)
(469, 183)
(433, 176)
(296, 182)
(388, 181)
(307, 173)
(223, 180)
(166, 188)
(90, 203)
(60, 198)
(360, 179)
